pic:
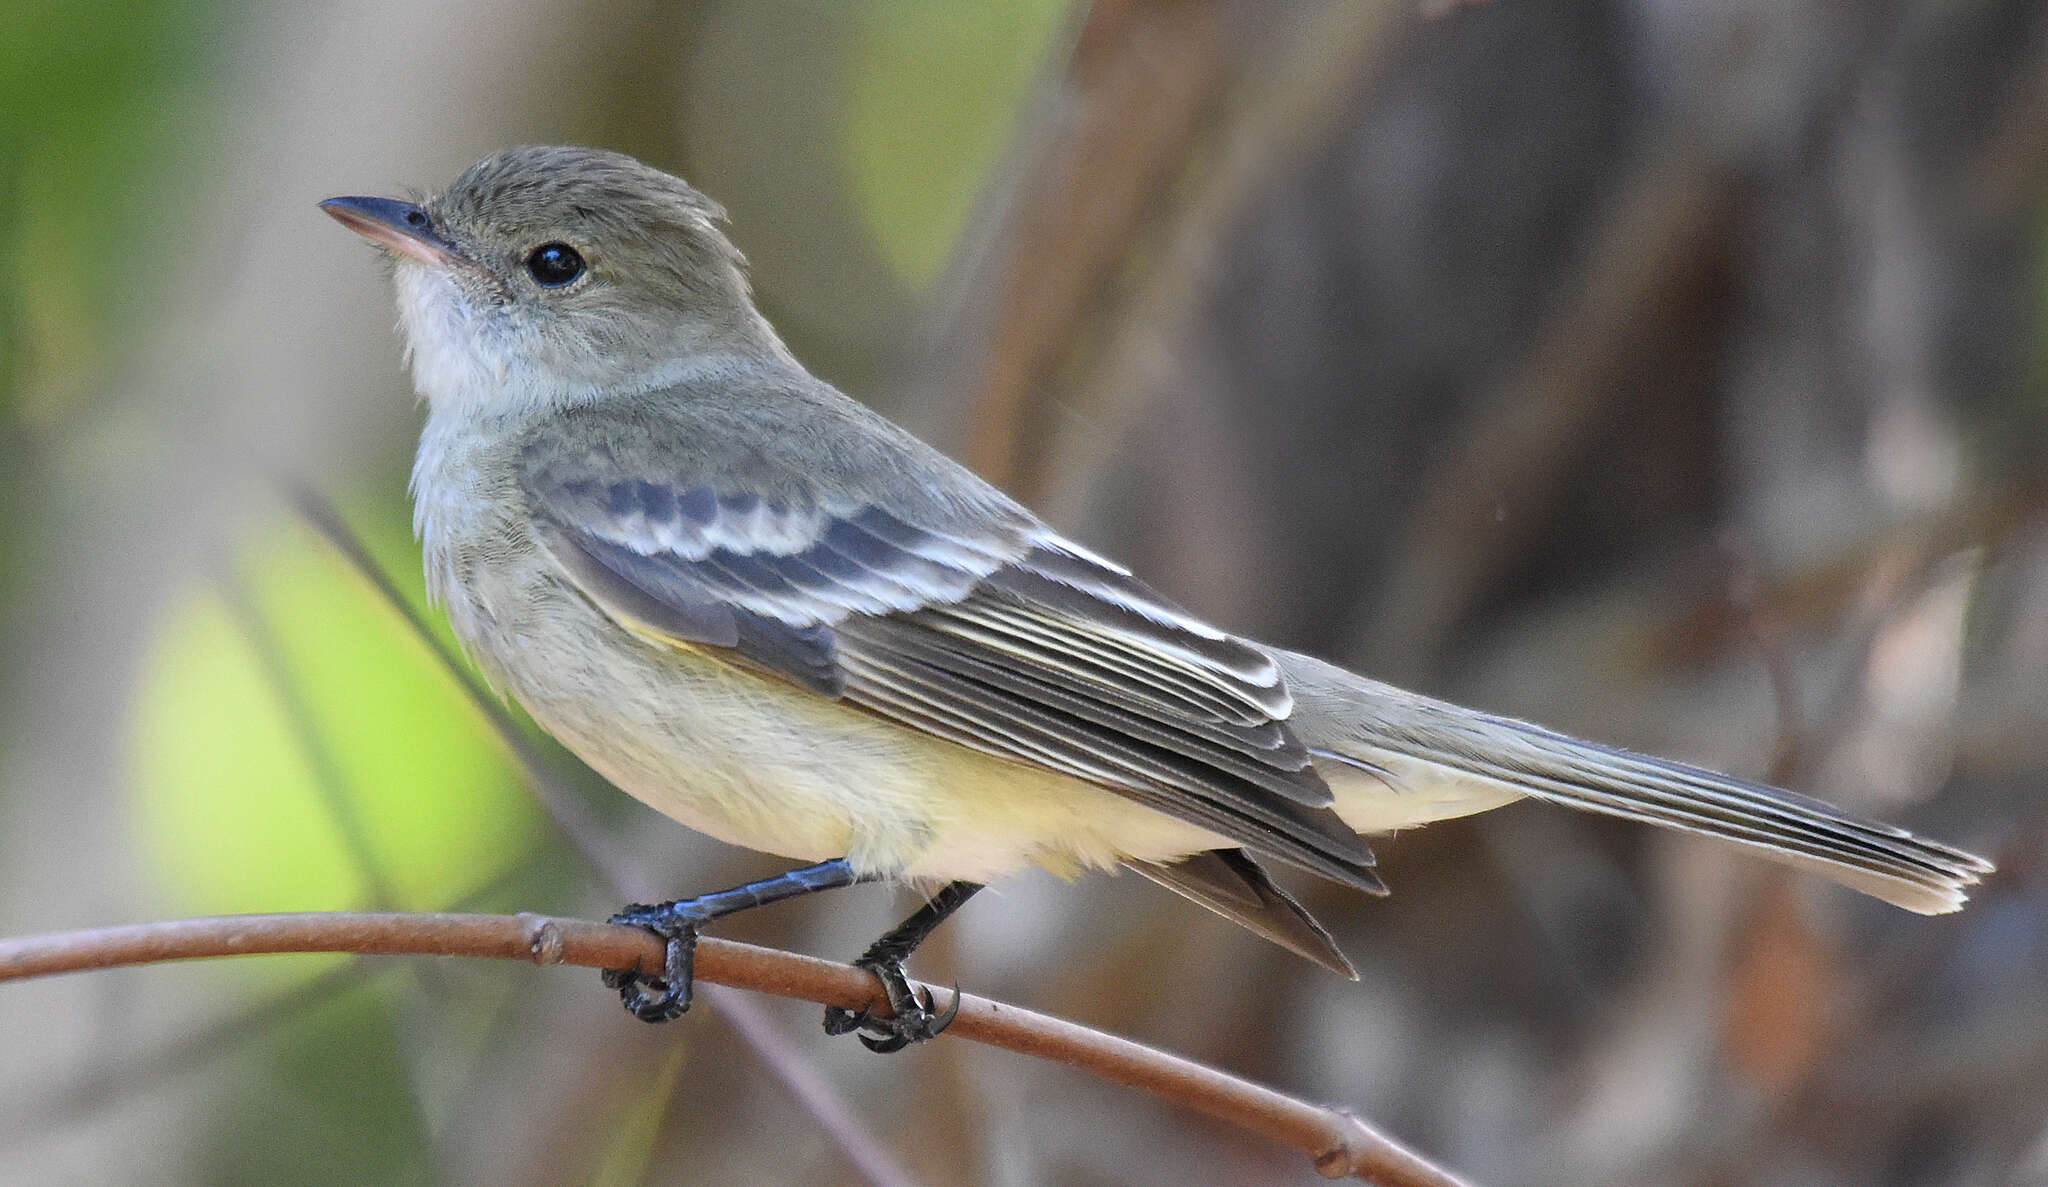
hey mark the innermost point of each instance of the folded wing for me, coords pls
(994, 634)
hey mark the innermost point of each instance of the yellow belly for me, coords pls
(760, 763)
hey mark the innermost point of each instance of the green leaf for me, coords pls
(228, 813)
(935, 91)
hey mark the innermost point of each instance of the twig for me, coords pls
(46, 1104)
(544, 779)
(1767, 636)
(325, 766)
(1649, 253)
(1294, 96)
(1143, 78)
(1853, 1011)
(1340, 1143)
(801, 1078)
(128, 1072)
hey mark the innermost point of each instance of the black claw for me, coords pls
(894, 1043)
(916, 1018)
(945, 1018)
(667, 997)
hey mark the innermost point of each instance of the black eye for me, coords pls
(553, 265)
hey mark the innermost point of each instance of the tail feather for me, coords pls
(1379, 728)
(1879, 859)
(1230, 883)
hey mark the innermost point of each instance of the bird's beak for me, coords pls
(396, 226)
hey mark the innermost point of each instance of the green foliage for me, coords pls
(328, 1106)
(97, 97)
(935, 90)
(228, 807)
(642, 1105)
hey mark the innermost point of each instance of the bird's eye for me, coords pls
(553, 265)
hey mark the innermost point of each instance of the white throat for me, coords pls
(465, 360)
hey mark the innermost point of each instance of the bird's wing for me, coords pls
(996, 635)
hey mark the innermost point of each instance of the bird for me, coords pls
(775, 616)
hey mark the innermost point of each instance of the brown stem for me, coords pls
(1340, 1144)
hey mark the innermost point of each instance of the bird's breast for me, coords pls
(744, 756)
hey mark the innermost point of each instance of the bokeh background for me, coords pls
(1674, 374)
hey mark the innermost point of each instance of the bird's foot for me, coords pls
(667, 997)
(914, 1017)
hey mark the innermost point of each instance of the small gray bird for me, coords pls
(780, 619)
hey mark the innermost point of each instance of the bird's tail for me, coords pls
(1397, 740)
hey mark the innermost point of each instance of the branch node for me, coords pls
(1356, 1150)
(1346, 1154)
(543, 939)
(1339, 1141)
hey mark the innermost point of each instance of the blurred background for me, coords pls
(1672, 374)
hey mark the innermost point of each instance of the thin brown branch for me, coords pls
(1143, 78)
(126, 1072)
(1643, 261)
(1767, 635)
(1293, 96)
(321, 761)
(1340, 1143)
(44, 1105)
(550, 788)
(808, 1087)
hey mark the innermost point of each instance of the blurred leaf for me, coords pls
(226, 806)
(934, 93)
(331, 1105)
(97, 98)
(643, 1104)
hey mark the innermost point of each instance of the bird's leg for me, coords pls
(659, 999)
(914, 1018)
